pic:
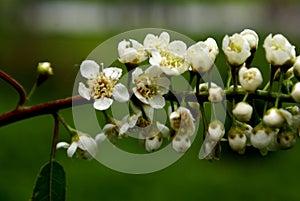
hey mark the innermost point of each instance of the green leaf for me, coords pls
(50, 184)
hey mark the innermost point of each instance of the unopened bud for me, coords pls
(242, 111)
(44, 72)
(273, 118)
(237, 139)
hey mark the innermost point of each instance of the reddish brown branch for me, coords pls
(16, 85)
(40, 109)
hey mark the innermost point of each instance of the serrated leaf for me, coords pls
(50, 184)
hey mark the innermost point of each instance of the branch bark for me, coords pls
(40, 109)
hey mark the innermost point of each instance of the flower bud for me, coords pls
(216, 130)
(204, 86)
(181, 143)
(296, 68)
(273, 118)
(252, 38)
(182, 121)
(279, 51)
(250, 79)
(236, 49)
(286, 139)
(201, 56)
(215, 94)
(44, 71)
(131, 52)
(237, 139)
(153, 143)
(296, 92)
(261, 136)
(242, 111)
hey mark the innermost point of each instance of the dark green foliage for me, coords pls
(50, 184)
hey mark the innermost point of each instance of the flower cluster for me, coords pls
(257, 114)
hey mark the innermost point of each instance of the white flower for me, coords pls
(252, 38)
(154, 42)
(150, 86)
(296, 92)
(242, 111)
(237, 139)
(182, 121)
(216, 130)
(273, 118)
(261, 137)
(171, 59)
(202, 55)
(250, 79)
(131, 52)
(128, 122)
(181, 143)
(279, 51)
(296, 67)
(286, 139)
(236, 49)
(102, 85)
(215, 94)
(153, 143)
(84, 144)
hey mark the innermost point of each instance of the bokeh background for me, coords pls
(65, 32)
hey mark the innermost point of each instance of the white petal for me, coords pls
(178, 47)
(155, 59)
(72, 149)
(120, 93)
(136, 45)
(157, 101)
(164, 37)
(62, 145)
(103, 103)
(136, 73)
(163, 82)
(139, 96)
(164, 130)
(89, 144)
(124, 128)
(100, 138)
(84, 91)
(154, 71)
(113, 72)
(89, 69)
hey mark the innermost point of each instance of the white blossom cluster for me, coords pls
(148, 89)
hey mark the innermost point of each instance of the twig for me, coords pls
(40, 109)
(18, 87)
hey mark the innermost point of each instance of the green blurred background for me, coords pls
(65, 32)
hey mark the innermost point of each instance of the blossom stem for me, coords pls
(228, 79)
(55, 137)
(279, 89)
(18, 87)
(245, 97)
(266, 86)
(234, 77)
(204, 120)
(71, 130)
(32, 90)
(198, 78)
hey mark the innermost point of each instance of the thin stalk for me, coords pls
(279, 89)
(55, 137)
